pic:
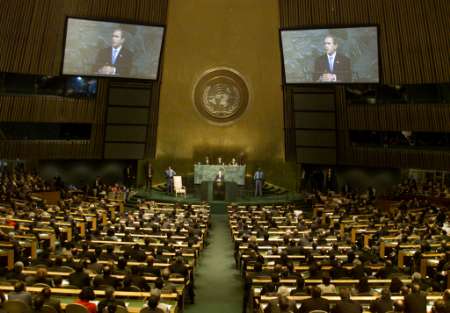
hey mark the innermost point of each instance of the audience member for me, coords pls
(326, 286)
(20, 294)
(346, 305)
(86, 295)
(416, 301)
(109, 300)
(79, 278)
(152, 305)
(16, 273)
(383, 304)
(316, 302)
(46, 294)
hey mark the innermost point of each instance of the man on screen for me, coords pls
(333, 66)
(114, 60)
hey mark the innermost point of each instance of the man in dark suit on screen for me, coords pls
(115, 60)
(332, 66)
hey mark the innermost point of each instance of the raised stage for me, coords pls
(218, 206)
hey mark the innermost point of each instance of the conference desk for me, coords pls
(133, 300)
(364, 300)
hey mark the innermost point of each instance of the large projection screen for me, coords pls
(330, 55)
(112, 49)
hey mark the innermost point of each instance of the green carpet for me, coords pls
(219, 287)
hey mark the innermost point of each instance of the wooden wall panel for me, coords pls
(395, 158)
(46, 109)
(395, 117)
(58, 110)
(32, 33)
(414, 45)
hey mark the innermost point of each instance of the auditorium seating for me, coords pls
(340, 238)
(77, 228)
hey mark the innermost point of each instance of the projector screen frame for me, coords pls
(117, 21)
(325, 27)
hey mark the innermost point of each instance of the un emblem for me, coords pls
(221, 95)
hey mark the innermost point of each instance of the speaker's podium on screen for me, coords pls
(178, 186)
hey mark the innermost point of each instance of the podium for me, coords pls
(212, 191)
(205, 175)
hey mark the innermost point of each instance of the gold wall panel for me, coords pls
(240, 35)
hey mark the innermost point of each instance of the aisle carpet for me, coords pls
(219, 287)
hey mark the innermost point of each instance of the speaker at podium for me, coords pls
(226, 191)
(218, 183)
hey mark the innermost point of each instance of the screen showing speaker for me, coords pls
(330, 55)
(112, 49)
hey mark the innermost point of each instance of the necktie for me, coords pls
(330, 61)
(114, 56)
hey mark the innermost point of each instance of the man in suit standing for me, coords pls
(115, 60)
(259, 179)
(333, 66)
(149, 176)
(170, 173)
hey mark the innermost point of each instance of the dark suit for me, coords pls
(148, 310)
(169, 173)
(315, 304)
(179, 268)
(123, 62)
(56, 304)
(101, 280)
(220, 178)
(140, 282)
(137, 255)
(23, 296)
(342, 68)
(79, 279)
(347, 306)
(416, 302)
(381, 306)
(106, 302)
(152, 270)
(15, 275)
